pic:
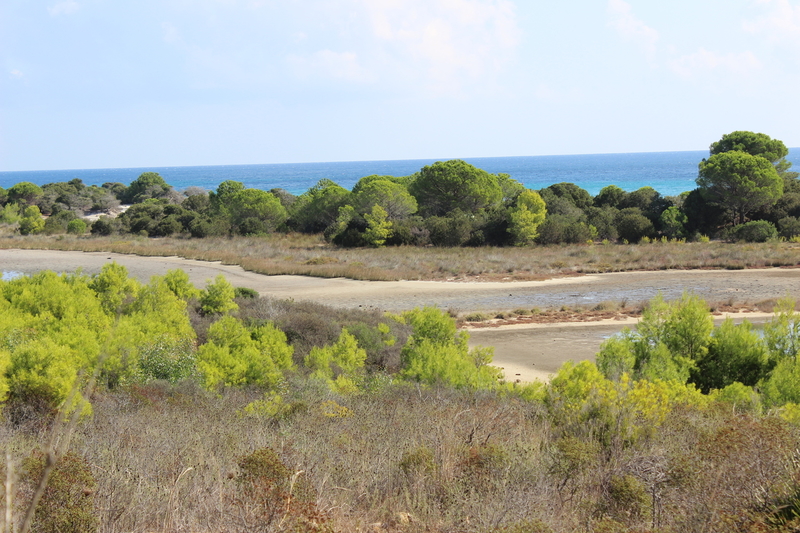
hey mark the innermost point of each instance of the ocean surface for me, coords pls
(670, 173)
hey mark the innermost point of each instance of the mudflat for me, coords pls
(525, 352)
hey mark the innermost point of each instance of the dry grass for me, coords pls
(165, 459)
(310, 255)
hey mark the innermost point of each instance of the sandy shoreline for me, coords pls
(526, 352)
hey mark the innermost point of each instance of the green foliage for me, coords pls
(246, 292)
(113, 287)
(754, 231)
(673, 223)
(167, 359)
(31, 222)
(103, 226)
(24, 193)
(742, 398)
(344, 357)
(218, 296)
(562, 229)
(789, 227)
(446, 186)
(178, 282)
(57, 223)
(526, 217)
(254, 212)
(10, 213)
(76, 227)
(318, 207)
(633, 226)
(669, 340)
(67, 505)
(782, 332)
(570, 192)
(610, 195)
(378, 227)
(147, 185)
(617, 356)
(155, 316)
(736, 353)
(759, 144)
(783, 384)
(434, 353)
(52, 328)
(236, 356)
(739, 182)
(455, 229)
(392, 197)
(418, 462)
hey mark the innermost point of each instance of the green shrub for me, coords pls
(218, 297)
(167, 359)
(245, 292)
(67, 505)
(76, 227)
(235, 356)
(104, 226)
(754, 231)
(31, 222)
(789, 227)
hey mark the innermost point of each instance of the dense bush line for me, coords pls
(745, 192)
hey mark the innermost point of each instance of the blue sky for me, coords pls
(118, 83)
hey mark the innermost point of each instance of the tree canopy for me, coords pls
(446, 186)
(739, 182)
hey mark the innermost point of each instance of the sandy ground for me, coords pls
(525, 352)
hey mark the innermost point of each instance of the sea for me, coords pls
(670, 173)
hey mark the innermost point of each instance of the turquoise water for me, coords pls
(669, 173)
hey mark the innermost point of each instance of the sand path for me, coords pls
(525, 352)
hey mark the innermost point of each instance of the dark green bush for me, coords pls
(754, 231)
(104, 226)
(455, 229)
(789, 227)
(558, 229)
(632, 225)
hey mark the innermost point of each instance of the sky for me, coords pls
(123, 83)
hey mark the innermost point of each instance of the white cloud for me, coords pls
(63, 8)
(447, 43)
(328, 64)
(428, 47)
(630, 28)
(781, 22)
(705, 62)
(16, 74)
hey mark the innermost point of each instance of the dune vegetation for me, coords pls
(161, 406)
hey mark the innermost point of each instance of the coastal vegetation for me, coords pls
(746, 192)
(216, 410)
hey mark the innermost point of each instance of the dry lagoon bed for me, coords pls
(525, 352)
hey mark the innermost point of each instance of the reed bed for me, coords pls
(310, 255)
